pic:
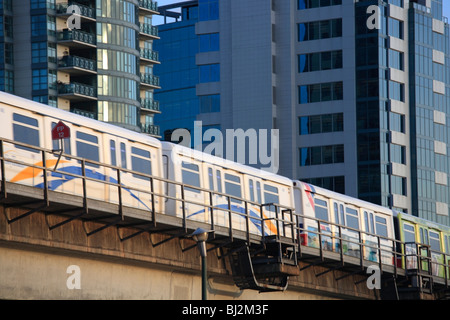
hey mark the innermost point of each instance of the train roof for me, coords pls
(218, 161)
(346, 199)
(73, 118)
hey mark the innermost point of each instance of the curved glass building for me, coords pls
(91, 57)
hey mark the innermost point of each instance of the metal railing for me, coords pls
(85, 11)
(77, 35)
(271, 219)
(79, 62)
(150, 79)
(149, 4)
(77, 88)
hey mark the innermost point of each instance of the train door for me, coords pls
(410, 246)
(339, 221)
(89, 146)
(350, 234)
(382, 227)
(194, 198)
(254, 197)
(437, 258)
(219, 201)
(369, 238)
(233, 186)
(118, 157)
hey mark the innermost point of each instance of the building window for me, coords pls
(209, 73)
(309, 4)
(321, 123)
(321, 92)
(42, 25)
(317, 30)
(336, 184)
(397, 91)
(312, 156)
(9, 53)
(395, 28)
(398, 153)
(40, 79)
(209, 42)
(208, 10)
(210, 103)
(399, 185)
(396, 59)
(319, 61)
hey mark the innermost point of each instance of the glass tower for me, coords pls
(90, 57)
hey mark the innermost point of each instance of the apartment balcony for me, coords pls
(149, 56)
(151, 129)
(149, 80)
(148, 31)
(150, 105)
(148, 7)
(84, 113)
(86, 13)
(77, 38)
(77, 65)
(77, 91)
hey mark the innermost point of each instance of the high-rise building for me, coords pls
(91, 57)
(359, 90)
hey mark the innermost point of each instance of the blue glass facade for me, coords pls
(178, 74)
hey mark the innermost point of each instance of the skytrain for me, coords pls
(208, 189)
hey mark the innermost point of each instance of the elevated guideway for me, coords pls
(264, 263)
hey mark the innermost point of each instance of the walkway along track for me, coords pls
(260, 262)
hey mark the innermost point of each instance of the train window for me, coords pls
(112, 148)
(321, 209)
(258, 191)
(87, 147)
(219, 181)
(341, 211)
(271, 194)
(233, 187)
(123, 155)
(140, 162)
(366, 220)
(352, 218)
(435, 241)
(211, 179)
(66, 143)
(336, 213)
(381, 226)
(252, 191)
(25, 129)
(447, 242)
(423, 236)
(409, 233)
(191, 176)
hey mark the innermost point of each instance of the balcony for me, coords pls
(77, 91)
(147, 30)
(77, 65)
(77, 38)
(150, 80)
(149, 56)
(148, 6)
(150, 129)
(86, 12)
(84, 113)
(150, 105)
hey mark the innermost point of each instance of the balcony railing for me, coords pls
(148, 4)
(77, 62)
(150, 129)
(150, 79)
(85, 113)
(77, 88)
(77, 35)
(149, 54)
(85, 11)
(147, 28)
(150, 104)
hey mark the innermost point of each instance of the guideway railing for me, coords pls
(274, 220)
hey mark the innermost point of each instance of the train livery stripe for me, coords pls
(61, 179)
(256, 220)
(31, 172)
(310, 193)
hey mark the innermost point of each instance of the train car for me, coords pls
(344, 223)
(425, 239)
(227, 186)
(31, 123)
